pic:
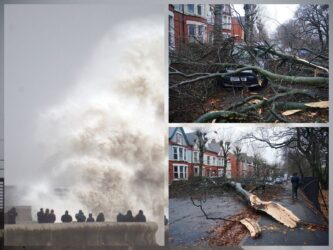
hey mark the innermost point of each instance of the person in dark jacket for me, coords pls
(128, 217)
(12, 215)
(295, 184)
(80, 217)
(47, 218)
(40, 216)
(52, 217)
(140, 217)
(120, 217)
(90, 218)
(100, 217)
(66, 218)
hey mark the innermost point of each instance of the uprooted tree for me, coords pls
(297, 73)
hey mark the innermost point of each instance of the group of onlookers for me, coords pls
(48, 216)
(128, 217)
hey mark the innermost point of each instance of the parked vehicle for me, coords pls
(247, 78)
(278, 180)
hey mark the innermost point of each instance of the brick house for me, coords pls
(194, 23)
(184, 158)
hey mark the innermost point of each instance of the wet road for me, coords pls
(188, 226)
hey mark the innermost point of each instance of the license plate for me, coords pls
(244, 79)
(234, 79)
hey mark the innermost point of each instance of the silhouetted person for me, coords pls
(120, 217)
(295, 184)
(40, 216)
(46, 217)
(52, 217)
(166, 221)
(128, 217)
(100, 217)
(90, 218)
(80, 217)
(12, 215)
(66, 217)
(140, 217)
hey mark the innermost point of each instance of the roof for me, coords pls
(213, 146)
(192, 137)
(172, 132)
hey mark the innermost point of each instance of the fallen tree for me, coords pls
(274, 209)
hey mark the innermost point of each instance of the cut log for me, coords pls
(252, 225)
(274, 209)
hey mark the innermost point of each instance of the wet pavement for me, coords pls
(275, 233)
(188, 225)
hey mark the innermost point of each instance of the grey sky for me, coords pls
(272, 14)
(233, 134)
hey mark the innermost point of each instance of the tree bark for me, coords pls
(274, 209)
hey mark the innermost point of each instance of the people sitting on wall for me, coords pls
(52, 217)
(46, 217)
(140, 217)
(129, 217)
(40, 216)
(100, 217)
(90, 218)
(66, 218)
(120, 217)
(80, 217)
(126, 218)
(12, 215)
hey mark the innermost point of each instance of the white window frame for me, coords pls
(195, 159)
(184, 171)
(179, 136)
(171, 30)
(220, 172)
(176, 151)
(196, 168)
(208, 159)
(188, 9)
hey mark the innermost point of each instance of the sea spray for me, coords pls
(104, 144)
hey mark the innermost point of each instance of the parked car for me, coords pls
(278, 180)
(246, 78)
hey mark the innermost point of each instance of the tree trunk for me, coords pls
(274, 209)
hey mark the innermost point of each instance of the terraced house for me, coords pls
(190, 23)
(184, 158)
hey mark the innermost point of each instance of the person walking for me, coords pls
(295, 184)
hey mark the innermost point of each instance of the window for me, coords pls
(191, 30)
(179, 153)
(179, 7)
(196, 170)
(179, 139)
(210, 37)
(171, 32)
(214, 161)
(175, 153)
(190, 8)
(228, 165)
(180, 172)
(195, 157)
(228, 174)
(199, 9)
(220, 172)
(208, 160)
